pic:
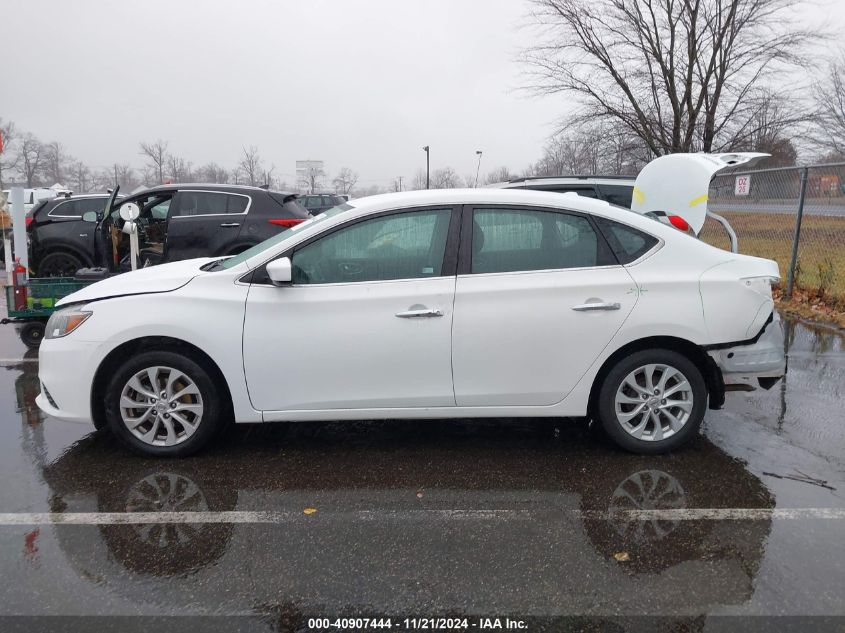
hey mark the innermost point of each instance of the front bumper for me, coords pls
(66, 368)
(761, 363)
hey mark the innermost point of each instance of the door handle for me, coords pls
(230, 224)
(416, 314)
(589, 307)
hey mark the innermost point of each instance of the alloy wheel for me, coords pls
(654, 402)
(161, 406)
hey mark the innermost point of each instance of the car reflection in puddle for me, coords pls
(516, 516)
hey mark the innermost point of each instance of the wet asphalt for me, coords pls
(479, 518)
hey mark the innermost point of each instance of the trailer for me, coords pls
(30, 304)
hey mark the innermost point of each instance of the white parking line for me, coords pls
(270, 517)
(15, 361)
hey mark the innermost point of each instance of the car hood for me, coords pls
(161, 278)
(678, 184)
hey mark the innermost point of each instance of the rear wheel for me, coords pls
(59, 264)
(652, 401)
(165, 404)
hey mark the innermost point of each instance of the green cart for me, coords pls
(42, 296)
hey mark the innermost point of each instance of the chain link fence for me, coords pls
(793, 215)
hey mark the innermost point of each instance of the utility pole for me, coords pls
(477, 169)
(427, 169)
(399, 178)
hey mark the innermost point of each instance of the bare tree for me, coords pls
(156, 153)
(345, 180)
(770, 130)
(267, 177)
(829, 93)
(81, 177)
(178, 169)
(251, 166)
(500, 174)
(679, 74)
(30, 159)
(311, 179)
(419, 181)
(55, 162)
(124, 176)
(445, 178)
(212, 172)
(8, 159)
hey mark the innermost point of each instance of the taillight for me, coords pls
(679, 223)
(286, 222)
(29, 221)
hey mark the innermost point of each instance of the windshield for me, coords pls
(281, 237)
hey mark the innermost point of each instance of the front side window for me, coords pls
(511, 240)
(408, 245)
(189, 203)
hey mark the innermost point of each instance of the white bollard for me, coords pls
(19, 226)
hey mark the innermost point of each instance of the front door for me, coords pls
(539, 299)
(366, 322)
(204, 223)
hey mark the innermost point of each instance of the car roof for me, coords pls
(484, 195)
(212, 187)
(566, 180)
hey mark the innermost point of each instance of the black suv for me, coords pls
(316, 203)
(60, 242)
(179, 221)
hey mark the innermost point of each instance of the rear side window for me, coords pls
(512, 240)
(627, 243)
(188, 203)
(77, 207)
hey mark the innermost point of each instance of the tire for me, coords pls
(32, 333)
(59, 264)
(630, 418)
(164, 426)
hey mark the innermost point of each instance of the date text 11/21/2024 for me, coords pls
(417, 624)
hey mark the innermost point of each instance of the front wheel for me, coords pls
(652, 401)
(164, 404)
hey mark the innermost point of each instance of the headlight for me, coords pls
(63, 322)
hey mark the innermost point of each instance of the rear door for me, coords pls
(204, 223)
(538, 297)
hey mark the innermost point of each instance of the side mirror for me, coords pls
(280, 271)
(89, 216)
(129, 212)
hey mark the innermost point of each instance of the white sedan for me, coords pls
(430, 304)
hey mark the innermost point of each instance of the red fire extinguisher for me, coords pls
(20, 285)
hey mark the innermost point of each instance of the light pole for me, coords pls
(427, 169)
(478, 169)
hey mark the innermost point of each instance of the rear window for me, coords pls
(289, 204)
(627, 243)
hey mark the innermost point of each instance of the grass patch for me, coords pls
(820, 274)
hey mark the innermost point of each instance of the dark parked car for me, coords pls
(60, 241)
(316, 203)
(177, 222)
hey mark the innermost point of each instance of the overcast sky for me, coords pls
(363, 83)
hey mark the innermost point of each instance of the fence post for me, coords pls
(791, 278)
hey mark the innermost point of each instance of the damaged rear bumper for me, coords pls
(759, 362)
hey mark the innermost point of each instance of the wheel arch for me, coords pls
(116, 356)
(709, 371)
(51, 247)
